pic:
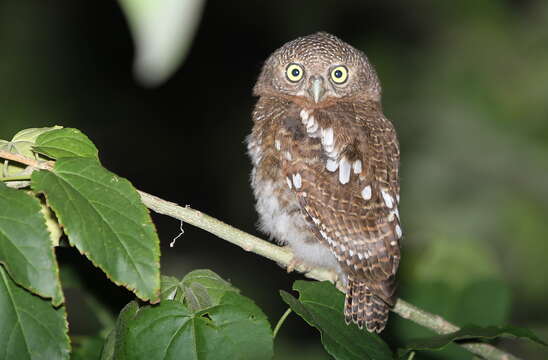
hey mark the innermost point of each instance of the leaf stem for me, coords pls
(280, 322)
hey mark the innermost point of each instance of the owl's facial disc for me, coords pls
(316, 89)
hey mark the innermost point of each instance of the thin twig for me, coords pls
(283, 257)
(42, 165)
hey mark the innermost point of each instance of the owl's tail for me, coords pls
(363, 307)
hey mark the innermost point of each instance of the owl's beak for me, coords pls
(316, 89)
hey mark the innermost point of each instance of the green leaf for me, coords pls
(30, 328)
(54, 229)
(197, 297)
(22, 144)
(162, 32)
(199, 289)
(104, 218)
(87, 348)
(320, 304)
(215, 285)
(26, 249)
(114, 347)
(234, 329)
(66, 142)
(171, 289)
(470, 332)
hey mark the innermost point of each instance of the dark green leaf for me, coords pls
(26, 249)
(197, 297)
(171, 288)
(234, 329)
(215, 285)
(66, 142)
(470, 332)
(104, 218)
(115, 344)
(320, 304)
(30, 328)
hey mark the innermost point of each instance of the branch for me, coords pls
(42, 165)
(282, 256)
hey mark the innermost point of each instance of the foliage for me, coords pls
(199, 316)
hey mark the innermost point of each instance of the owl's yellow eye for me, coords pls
(339, 74)
(294, 72)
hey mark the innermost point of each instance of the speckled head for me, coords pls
(318, 69)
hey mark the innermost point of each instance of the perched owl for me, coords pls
(325, 169)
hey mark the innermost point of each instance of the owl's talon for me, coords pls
(293, 264)
(296, 263)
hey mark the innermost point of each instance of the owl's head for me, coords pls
(318, 69)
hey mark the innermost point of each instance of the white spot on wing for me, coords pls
(351, 252)
(288, 156)
(366, 192)
(327, 136)
(331, 165)
(398, 231)
(388, 200)
(312, 125)
(360, 256)
(393, 243)
(289, 182)
(278, 145)
(357, 166)
(304, 116)
(344, 171)
(348, 262)
(297, 181)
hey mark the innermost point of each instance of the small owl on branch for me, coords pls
(325, 169)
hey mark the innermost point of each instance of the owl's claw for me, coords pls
(339, 283)
(295, 263)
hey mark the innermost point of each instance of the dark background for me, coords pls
(465, 84)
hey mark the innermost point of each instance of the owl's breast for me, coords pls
(280, 213)
(278, 208)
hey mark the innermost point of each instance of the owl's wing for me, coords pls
(342, 164)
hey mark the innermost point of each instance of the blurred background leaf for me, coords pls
(162, 31)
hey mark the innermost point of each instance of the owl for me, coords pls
(325, 169)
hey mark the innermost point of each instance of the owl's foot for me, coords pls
(339, 282)
(297, 263)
